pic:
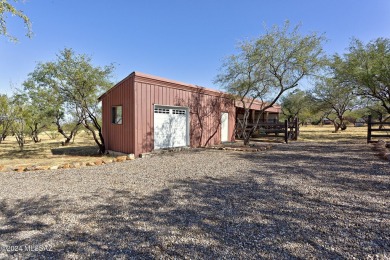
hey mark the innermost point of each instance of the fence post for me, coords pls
(369, 130)
(296, 129)
(286, 131)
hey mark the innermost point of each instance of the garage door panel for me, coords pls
(161, 131)
(170, 127)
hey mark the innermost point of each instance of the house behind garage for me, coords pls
(144, 112)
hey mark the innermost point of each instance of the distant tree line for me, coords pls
(270, 68)
(58, 93)
(63, 93)
(351, 87)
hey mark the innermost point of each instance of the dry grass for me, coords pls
(324, 133)
(317, 133)
(50, 151)
(47, 152)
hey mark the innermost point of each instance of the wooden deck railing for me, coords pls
(287, 130)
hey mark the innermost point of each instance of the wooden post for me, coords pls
(253, 116)
(369, 130)
(286, 131)
(296, 128)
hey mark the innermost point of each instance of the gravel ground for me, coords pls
(301, 200)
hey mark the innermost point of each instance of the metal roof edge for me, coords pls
(108, 91)
(177, 83)
(180, 85)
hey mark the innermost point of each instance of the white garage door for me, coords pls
(170, 127)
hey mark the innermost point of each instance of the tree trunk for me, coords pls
(382, 120)
(215, 131)
(201, 131)
(102, 147)
(245, 135)
(69, 137)
(336, 126)
(34, 136)
(86, 115)
(340, 125)
(2, 137)
(34, 133)
(100, 143)
(253, 129)
(20, 139)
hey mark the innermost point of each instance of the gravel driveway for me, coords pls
(301, 200)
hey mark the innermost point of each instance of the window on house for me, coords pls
(116, 117)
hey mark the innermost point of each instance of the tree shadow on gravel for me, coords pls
(245, 217)
(331, 157)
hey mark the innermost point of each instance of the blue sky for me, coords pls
(176, 39)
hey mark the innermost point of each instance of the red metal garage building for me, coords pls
(143, 112)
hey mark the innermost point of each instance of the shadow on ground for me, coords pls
(29, 152)
(253, 215)
(88, 150)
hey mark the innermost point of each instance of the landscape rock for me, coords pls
(20, 168)
(75, 165)
(107, 160)
(30, 168)
(65, 166)
(90, 164)
(121, 158)
(99, 162)
(2, 168)
(130, 156)
(42, 167)
(54, 167)
(144, 155)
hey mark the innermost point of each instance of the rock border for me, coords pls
(120, 157)
(69, 165)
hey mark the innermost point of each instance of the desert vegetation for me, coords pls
(50, 152)
(59, 98)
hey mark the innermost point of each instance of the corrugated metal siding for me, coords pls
(119, 137)
(138, 95)
(149, 92)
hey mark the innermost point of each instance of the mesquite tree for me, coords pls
(19, 114)
(367, 67)
(42, 87)
(6, 117)
(333, 99)
(80, 84)
(296, 104)
(268, 66)
(73, 85)
(8, 9)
